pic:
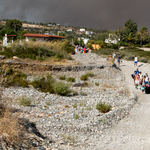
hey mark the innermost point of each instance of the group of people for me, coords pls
(114, 56)
(80, 49)
(140, 79)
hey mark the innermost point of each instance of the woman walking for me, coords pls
(135, 61)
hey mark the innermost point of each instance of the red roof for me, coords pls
(10, 35)
(43, 36)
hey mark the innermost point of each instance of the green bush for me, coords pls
(89, 45)
(69, 49)
(84, 78)
(97, 83)
(147, 45)
(13, 78)
(44, 84)
(62, 78)
(89, 74)
(62, 89)
(102, 107)
(71, 79)
(25, 101)
(113, 46)
(77, 116)
(122, 43)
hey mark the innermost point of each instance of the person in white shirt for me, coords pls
(135, 61)
(76, 50)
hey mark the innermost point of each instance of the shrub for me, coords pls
(62, 78)
(147, 45)
(84, 78)
(69, 48)
(77, 116)
(97, 83)
(25, 101)
(75, 93)
(89, 74)
(122, 43)
(83, 93)
(44, 84)
(71, 79)
(113, 46)
(13, 78)
(62, 89)
(85, 84)
(129, 57)
(102, 107)
(143, 59)
(89, 45)
(74, 105)
(9, 72)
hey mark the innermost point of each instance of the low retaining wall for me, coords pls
(41, 67)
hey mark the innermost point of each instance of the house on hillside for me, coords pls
(8, 40)
(112, 39)
(69, 30)
(82, 30)
(43, 37)
(89, 32)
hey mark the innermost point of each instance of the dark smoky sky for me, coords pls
(102, 14)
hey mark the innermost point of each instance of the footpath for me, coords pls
(133, 132)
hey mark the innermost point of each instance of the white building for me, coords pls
(69, 30)
(89, 32)
(112, 39)
(85, 40)
(82, 30)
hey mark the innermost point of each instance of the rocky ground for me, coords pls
(71, 122)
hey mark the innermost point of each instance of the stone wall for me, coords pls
(41, 67)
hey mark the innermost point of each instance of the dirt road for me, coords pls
(133, 132)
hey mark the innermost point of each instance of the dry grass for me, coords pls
(124, 91)
(12, 133)
(105, 85)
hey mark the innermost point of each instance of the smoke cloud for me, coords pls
(102, 14)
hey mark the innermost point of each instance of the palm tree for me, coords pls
(143, 32)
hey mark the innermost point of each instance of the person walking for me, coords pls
(143, 84)
(76, 50)
(137, 80)
(118, 60)
(114, 56)
(135, 61)
(147, 79)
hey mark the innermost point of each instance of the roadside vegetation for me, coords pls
(128, 53)
(39, 50)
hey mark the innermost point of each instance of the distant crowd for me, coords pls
(80, 49)
(115, 56)
(141, 80)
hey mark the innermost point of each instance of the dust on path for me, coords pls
(133, 132)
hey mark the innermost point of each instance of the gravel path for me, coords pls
(133, 131)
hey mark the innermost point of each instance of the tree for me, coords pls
(7, 31)
(130, 29)
(14, 24)
(143, 32)
(102, 36)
